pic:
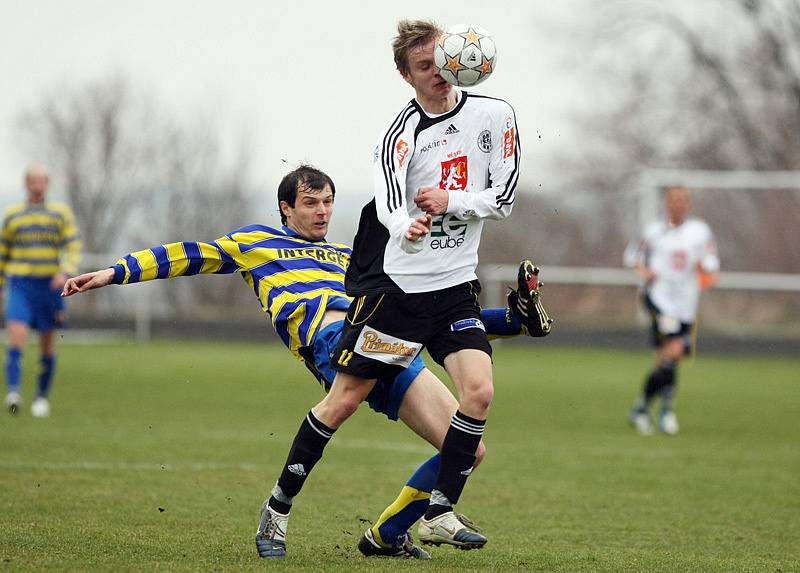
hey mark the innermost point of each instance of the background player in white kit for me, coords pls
(676, 257)
(445, 163)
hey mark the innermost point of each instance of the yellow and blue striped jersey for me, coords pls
(38, 241)
(296, 280)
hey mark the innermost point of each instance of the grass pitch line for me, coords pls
(123, 466)
(127, 466)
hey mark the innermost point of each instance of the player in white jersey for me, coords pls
(448, 161)
(460, 166)
(675, 257)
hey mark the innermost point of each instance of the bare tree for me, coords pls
(202, 197)
(711, 85)
(136, 177)
(97, 144)
(716, 94)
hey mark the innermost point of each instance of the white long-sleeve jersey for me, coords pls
(473, 153)
(675, 254)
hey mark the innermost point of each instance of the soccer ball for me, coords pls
(465, 55)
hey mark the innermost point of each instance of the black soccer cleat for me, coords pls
(404, 548)
(525, 301)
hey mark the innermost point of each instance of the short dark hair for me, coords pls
(305, 178)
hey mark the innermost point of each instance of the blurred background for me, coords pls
(165, 121)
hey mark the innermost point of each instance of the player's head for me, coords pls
(305, 200)
(677, 202)
(413, 56)
(36, 183)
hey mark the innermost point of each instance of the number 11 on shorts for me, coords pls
(344, 358)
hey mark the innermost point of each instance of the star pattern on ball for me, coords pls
(471, 37)
(453, 64)
(486, 66)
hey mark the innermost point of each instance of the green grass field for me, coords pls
(157, 457)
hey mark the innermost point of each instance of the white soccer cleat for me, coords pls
(40, 408)
(448, 529)
(642, 422)
(271, 533)
(13, 402)
(668, 423)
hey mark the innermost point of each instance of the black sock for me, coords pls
(458, 458)
(668, 396)
(310, 441)
(662, 376)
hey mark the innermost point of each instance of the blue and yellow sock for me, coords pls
(13, 369)
(409, 506)
(501, 322)
(46, 375)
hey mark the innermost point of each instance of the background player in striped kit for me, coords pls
(675, 257)
(299, 279)
(39, 249)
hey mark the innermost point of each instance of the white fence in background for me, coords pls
(493, 275)
(607, 276)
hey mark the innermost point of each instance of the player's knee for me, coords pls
(479, 397)
(345, 407)
(334, 410)
(674, 349)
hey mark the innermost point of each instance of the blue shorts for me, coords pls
(32, 301)
(387, 394)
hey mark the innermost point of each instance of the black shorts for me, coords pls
(664, 327)
(383, 333)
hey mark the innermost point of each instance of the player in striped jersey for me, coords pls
(299, 279)
(39, 249)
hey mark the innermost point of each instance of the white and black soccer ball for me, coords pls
(465, 55)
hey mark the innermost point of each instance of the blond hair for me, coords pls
(412, 34)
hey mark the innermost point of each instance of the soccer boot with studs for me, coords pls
(525, 301)
(451, 529)
(271, 534)
(403, 548)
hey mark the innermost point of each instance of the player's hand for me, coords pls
(645, 273)
(88, 281)
(58, 280)
(419, 228)
(432, 200)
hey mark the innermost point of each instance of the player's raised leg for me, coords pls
(526, 301)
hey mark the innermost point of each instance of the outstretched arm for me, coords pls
(222, 256)
(88, 281)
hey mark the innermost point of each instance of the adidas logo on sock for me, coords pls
(452, 129)
(297, 469)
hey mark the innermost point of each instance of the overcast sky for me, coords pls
(311, 81)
